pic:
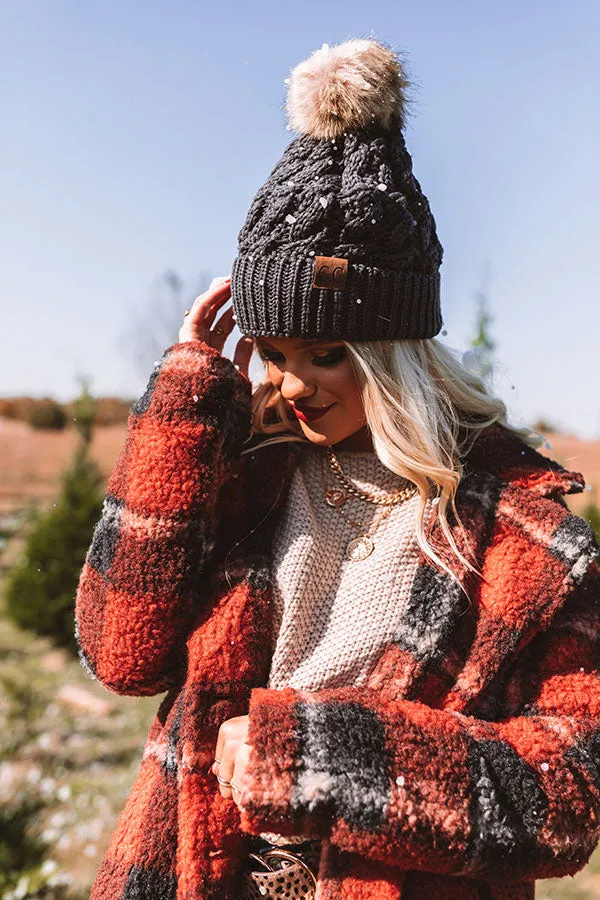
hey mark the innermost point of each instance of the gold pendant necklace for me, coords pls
(335, 497)
(360, 547)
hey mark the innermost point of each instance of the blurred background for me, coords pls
(134, 137)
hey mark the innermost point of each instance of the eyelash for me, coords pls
(327, 359)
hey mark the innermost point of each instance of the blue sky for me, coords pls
(135, 135)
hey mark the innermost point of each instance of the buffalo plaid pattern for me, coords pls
(467, 767)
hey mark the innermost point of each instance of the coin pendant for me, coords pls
(335, 497)
(359, 548)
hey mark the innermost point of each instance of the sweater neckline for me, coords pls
(362, 466)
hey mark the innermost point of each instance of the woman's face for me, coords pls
(317, 382)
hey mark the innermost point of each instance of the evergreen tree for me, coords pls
(591, 514)
(482, 343)
(480, 357)
(41, 587)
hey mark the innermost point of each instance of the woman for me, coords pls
(374, 616)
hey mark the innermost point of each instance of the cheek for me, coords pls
(343, 384)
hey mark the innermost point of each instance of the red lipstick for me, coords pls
(310, 413)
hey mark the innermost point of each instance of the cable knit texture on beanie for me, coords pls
(351, 196)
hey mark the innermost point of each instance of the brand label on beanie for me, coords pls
(330, 273)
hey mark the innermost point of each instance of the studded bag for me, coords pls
(279, 873)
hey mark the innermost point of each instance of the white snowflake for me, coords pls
(323, 201)
(381, 186)
(290, 218)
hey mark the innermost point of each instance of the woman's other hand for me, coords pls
(199, 324)
(233, 753)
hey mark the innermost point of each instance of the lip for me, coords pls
(311, 413)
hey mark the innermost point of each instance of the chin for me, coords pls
(317, 437)
(323, 438)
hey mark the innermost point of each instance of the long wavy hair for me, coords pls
(424, 409)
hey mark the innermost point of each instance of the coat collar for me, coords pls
(500, 452)
(496, 451)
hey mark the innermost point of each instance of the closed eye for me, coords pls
(270, 356)
(332, 358)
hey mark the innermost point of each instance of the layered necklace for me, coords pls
(362, 546)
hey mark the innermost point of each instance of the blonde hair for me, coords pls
(423, 408)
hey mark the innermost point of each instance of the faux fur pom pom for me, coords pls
(357, 83)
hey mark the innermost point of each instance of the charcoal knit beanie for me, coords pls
(340, 241)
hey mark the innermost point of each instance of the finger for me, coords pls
(220, 743)
(243, 354)
(224, 327)
(226, 768)
(227, 733)
(197, 322)
(205, 306)
(218, 281)
(242, 758)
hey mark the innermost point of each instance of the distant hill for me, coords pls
(578, 456)
(109, 410)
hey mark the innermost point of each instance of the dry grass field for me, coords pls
(31, 461)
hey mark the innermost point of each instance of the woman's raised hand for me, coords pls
(199, 324)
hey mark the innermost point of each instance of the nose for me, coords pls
(293, 388)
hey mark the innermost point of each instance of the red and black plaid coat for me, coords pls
(467, 767)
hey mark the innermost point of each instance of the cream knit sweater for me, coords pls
(334, 615)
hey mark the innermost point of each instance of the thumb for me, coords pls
(243, 354)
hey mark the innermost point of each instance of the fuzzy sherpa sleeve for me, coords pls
(398, 781)
(138, 587)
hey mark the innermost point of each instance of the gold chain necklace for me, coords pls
(362, 546)
(337, 497)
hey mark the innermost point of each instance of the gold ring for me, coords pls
(234, 787)
(187, 312)
(218, 761)
(223, 781)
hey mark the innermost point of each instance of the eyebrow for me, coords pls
(302, 342)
